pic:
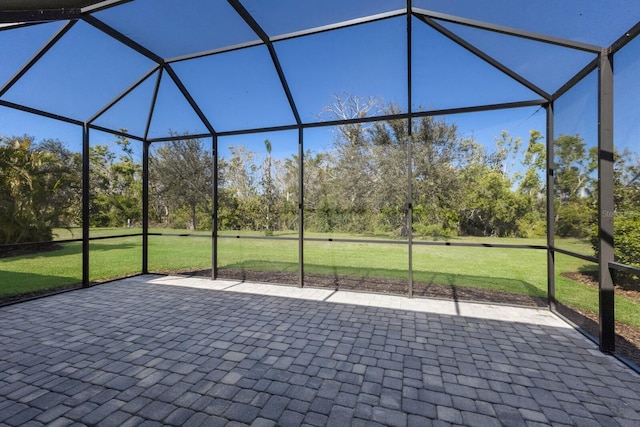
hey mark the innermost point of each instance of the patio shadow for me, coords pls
(428, 284)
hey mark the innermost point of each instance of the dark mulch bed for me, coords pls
(12, 299)
(380, 285)
(627, 337)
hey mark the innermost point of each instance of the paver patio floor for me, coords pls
(155, 350)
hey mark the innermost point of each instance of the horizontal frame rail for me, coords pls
(616, 266)
(591, 258)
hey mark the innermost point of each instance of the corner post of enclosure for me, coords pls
(145, 207)
(85, 205)
(214, 207)
(551, 226)
(300, 207)
(606, 204)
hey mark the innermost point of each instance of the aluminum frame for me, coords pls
(603, 62)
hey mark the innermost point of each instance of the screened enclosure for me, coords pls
(419, 147)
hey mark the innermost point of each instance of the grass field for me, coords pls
(521, 271)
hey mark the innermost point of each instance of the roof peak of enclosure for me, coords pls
(281, 62)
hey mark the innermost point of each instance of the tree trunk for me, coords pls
(404, 230)
(193, 217)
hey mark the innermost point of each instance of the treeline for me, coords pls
(359, 184)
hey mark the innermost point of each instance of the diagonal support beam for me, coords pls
(508, 31)
(123, 94)
(48, 45)
(588, 69)
(485, 57)
(248, 18)
(189, 98)
(112, 32)
(152, 106)
(625, 38)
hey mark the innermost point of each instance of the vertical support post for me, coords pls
(410, 204)
(300, 207)
(409, 152)
(214, 207)
(605, 200)
(145, 207)
(145, 176)
(85, 205)
(551, 225)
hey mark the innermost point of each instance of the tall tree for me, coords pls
(240, 182)
(574, 166)
(37, 189)
(181, 176)
(269, 195)
(439, 154)
(534, 163)
(115, 185)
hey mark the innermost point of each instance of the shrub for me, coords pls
(626, 246)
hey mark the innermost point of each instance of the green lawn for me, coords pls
(521, 271)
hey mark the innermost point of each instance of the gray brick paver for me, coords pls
(136, 404)
(22, 417)
(556, 416)
(241, 412)
(156, 411)
(476, 419)
(348, 400)
(115, 419)
(449, 414)
(343, 363)
(509, 416)
(340, 416)
(290, 419)
(299, 406)
(322, 405)
(275, 407)
(315, 419)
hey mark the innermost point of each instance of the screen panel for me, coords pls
(40, 203)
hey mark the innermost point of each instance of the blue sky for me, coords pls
(241, 89)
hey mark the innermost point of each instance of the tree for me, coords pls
(115, 185)
(64, 171)
(532, 186)
(491, 207)
(239, 181)
(626, 217)
(268, 191)
(389, 169)
(38, 188)
(320, 203)
(574, 166)
(506, 154)
(439, 156)
(182, 180)
(369, 170)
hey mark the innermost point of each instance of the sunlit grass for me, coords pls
(519, 271)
